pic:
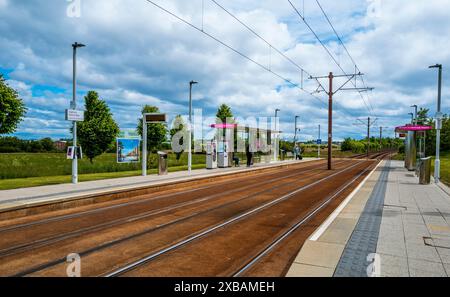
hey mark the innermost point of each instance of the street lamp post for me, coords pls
(190, 127)
(276, 135)
(412, 117)
(296, 129)
(419, 135)
(415, 113)
(437, 167)
(73, 105)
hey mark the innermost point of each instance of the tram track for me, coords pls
(127, 245)
(145, 260)
(276, 242)
(141, 216)
(180, 220)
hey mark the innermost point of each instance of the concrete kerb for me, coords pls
(322, 252)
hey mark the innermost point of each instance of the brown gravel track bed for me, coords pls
(112, 235)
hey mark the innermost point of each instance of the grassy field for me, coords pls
(30, 170)
(312, 153)
(13, 166)
(8, 184)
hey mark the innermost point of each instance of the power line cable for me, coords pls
(325, 47)
(325, 105)
(234, 50)
(260, 37)
(345, 48)
(268, 43)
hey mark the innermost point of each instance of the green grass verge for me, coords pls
(9, 184)
(53, 164)
(445, 167)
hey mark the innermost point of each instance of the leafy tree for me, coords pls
(48, 145)
(12, 108)
(178, 126)
(156, 133)
(99, 130)
(422, 116)
(224, 112)
(347, 145)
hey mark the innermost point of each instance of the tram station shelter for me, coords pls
(259, 139)
(412, 133)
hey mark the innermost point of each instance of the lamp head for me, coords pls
(436, 66)
(78, 45)
(193, 83)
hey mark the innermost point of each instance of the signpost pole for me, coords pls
(74, 107)
(437, 171)
(330, 121)
(144, 145)
(319, 144)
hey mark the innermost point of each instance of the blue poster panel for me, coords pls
(128, 150)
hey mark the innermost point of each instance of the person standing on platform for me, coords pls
(249, 155)
(297, 153)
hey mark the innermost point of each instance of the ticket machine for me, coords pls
(223, 161)
(211, 155)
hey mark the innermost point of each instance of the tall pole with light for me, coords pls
(296, 129)
(190, 127)
(439, 116)
(330, 94)
(73, 105)
(419, 135)
(415, 113)
(275, 154)
(412, 117)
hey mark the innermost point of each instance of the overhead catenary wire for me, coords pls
(344, 47)
(260, 37)
(303, 71)
(302, 17)
(289, 81)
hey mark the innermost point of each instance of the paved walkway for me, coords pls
(391, 227)
(17, 198)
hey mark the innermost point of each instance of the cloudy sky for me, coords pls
(138, 54)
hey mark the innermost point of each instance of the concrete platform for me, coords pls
(28, 197)
(390, 226)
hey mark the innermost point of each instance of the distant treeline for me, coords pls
(360, 146)
(16, 145)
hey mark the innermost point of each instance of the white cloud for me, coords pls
(139, 55)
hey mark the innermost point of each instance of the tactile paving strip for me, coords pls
(363, 242)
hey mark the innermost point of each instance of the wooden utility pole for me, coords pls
(368, 137)
(369, 124)
(330, 121)
(330, 94)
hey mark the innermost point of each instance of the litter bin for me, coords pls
(162, 163)
(425, 171)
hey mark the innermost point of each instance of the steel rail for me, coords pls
(292, 229)
(141, 216)
(148, 231)
(151, 257)
(126, 204)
